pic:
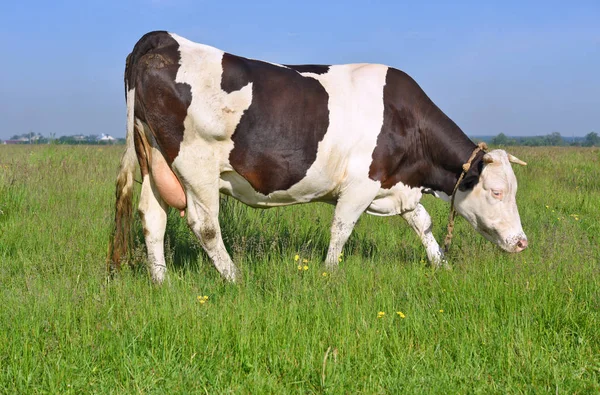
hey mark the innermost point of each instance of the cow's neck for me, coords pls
(447, 148)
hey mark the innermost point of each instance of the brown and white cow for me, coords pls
(364, 137)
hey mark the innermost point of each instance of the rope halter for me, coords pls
(465, 167)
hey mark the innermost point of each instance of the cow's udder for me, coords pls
(168, 184)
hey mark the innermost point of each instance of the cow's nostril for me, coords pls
(522, 244)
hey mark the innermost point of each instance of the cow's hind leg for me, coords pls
(203, 218)
(347, 211)
(153, 212)
(202, 191)
(420, 221)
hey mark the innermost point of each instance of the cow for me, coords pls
(364, 137)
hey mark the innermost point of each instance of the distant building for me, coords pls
(106, 138)
(22, 140)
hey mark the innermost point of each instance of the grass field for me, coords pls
(495, 323)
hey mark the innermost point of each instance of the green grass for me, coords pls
(525, 323)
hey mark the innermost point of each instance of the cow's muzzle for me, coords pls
(521, 245)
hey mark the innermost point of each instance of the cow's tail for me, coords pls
(121, 239)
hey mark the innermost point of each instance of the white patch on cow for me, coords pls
(420, 221)
(355, 120)
(491, 206)
(396, 200)
(213, 113)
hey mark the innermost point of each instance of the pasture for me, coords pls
(383, 323)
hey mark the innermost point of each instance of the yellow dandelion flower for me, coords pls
(299, 267)
(547, 206)
(202, 299)
(570, 289)
(324, 274)
(401, 314)
(340, 259)
(381, 314)
(205, 297)
(305, 261)
(305, 267)
(296, 257)
(441, 310)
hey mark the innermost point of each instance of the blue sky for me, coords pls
(517, 67)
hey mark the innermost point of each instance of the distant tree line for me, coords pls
(36, 138)
(553, 139)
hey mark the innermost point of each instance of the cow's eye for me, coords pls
(497, 193)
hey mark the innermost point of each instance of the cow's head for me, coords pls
(489, 202)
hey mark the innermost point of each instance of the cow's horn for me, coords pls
(514, 159)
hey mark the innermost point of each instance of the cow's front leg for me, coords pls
(420, 221)
(153, 212)
(347, 211)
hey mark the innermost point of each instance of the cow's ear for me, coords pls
(472, 177)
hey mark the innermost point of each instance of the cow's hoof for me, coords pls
(158, 274)
(232, 275)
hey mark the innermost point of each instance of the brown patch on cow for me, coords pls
(143, 219)
(277, 138)
(208, 233)
(309, 68)
(160, 102)
(418, 145)
(236, 73)
(141, 150)
(472, 177)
